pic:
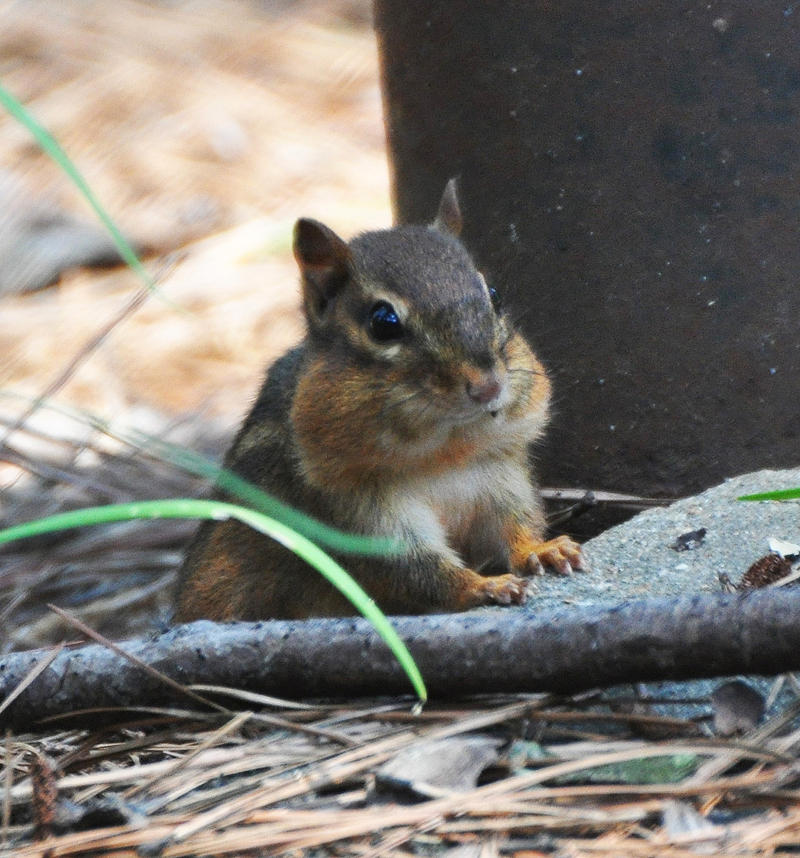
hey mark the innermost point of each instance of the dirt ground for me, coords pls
(205, 128)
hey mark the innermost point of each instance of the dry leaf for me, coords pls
(737, 708)
(686, 826)
(783, 548)
(689, 541)
(439, 767)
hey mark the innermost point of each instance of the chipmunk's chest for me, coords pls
(434, 512)
(448, 494)
(453, 496)
(458, 501)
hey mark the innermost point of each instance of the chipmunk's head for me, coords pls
(408, 306)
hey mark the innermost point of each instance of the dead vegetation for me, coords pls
(188, 119)
(526, 776)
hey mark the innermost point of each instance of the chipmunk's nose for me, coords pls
(484, 387)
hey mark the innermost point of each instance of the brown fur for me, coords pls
(421, 435)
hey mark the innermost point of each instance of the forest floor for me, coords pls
(206, 127)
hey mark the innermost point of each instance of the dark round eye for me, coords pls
(384, 324)
(495, 299)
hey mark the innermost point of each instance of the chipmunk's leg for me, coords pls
(531, 555)
(511, 520)
(428, 583)
(468, 589)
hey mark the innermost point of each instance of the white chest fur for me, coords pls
(448, 511)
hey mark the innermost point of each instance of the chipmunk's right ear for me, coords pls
(323, 258)
(448, 218)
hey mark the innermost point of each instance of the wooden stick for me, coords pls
(562, 650)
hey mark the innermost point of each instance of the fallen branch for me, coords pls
(563, 650)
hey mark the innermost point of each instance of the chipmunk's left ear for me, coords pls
(323, 259)
(448, 218)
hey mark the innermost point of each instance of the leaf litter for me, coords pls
(185, 782)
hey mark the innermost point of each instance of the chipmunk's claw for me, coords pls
(533, 566)
(507, 590)
(562, 555)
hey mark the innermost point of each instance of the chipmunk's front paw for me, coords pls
(562, 554)
(505, 590)
(531, 556)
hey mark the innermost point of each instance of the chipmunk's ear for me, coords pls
(448, 218)
(323, 258)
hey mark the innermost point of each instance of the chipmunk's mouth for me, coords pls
(471, 417)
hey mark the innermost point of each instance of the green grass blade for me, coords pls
(201, 466)
(258, 499)
(53, 149)
(780, 495)
(217, 510)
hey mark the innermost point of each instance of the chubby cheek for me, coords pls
(429, 389)
(519, 356)
(529, 385)
(540, 382)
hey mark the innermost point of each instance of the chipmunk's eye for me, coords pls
(384, 323)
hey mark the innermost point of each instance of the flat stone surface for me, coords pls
(635, 560)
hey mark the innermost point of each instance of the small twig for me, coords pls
(600, 497)
(582, 500)
(81, 357)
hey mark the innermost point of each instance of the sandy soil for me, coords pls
(205, 128)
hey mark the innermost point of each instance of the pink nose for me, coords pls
(485, 389)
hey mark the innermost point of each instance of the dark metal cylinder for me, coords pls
(630, 176)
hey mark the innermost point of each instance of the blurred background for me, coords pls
(205, 128)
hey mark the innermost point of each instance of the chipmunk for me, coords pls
(406, 412)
